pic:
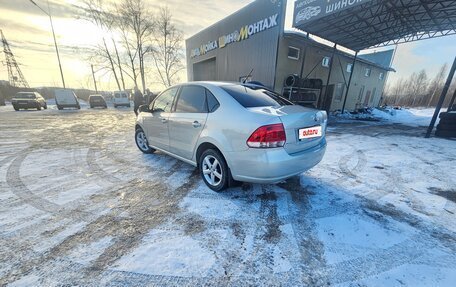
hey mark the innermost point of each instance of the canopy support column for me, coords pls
(442, 98)
(329, 76)
(349, 81)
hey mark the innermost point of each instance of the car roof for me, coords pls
(219, 84)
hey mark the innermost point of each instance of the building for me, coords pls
(252, 43)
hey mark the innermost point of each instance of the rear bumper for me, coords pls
(273, 165)
(25, 105)
(122, 104)
(98, 105)
(68, 105)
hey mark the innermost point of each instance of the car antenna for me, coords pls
(249, 75)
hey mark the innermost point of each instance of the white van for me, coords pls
(120, 98)
(65, 98)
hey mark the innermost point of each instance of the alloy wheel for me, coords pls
(212, 170)
(142, 141)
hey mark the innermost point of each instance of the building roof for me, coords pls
(361, 24)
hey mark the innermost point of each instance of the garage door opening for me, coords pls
(205, 70)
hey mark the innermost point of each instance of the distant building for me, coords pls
(254, 38)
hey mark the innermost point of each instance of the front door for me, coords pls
(156, 122)
(187, 120)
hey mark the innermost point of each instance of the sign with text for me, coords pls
(310, 10)
(241, 34)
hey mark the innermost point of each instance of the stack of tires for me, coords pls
(447, 125)
(296, 82)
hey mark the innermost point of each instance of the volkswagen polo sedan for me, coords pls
(233, 132)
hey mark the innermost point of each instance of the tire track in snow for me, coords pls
(18, 187)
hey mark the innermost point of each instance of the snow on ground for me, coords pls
(414, 117)
(80, 205)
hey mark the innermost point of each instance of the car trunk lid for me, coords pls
(297, 118)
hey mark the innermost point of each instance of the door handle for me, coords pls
(196, 124)
(164, 120)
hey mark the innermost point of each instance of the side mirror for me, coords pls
(144, 108)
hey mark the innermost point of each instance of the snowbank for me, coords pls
(406, 116)
(411, 117)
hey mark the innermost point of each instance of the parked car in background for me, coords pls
(121, 99)
(233, 132)
(65, 98)
(28, 100)
(97, 101)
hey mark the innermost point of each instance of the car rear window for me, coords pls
(253, 96)
(25, 96)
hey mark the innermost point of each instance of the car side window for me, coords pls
(192, 99)
(212, 103)
(164, 102)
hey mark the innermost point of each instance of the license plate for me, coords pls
(313, 132)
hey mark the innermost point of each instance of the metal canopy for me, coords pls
(361, 24)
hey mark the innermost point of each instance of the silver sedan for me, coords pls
(233, 132)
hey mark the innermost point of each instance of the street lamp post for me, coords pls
(53, 34)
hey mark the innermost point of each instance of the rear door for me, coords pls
(156, 121)
(187, 120)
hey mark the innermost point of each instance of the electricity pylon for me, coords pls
(15, 76)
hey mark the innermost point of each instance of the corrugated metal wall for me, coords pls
(235, 60)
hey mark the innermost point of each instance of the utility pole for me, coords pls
(94, 81)
(53, 34)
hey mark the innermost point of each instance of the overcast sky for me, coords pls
(27, 30)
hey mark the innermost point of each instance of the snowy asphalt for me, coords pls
(80, 205)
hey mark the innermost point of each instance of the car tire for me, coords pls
(141, 141)
(38, 107)
(59, 107)
(115, 106)
(45, 106)
(212, 166)
(78, 107)
(16, 108)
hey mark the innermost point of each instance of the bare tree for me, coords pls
(97, 14)
(131, 52)
(135, 17)
(166, 47)
(419, 86)
(437, 83)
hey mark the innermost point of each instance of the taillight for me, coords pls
(268, 136)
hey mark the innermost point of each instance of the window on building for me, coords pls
(380, 76)
(325, 62)
(339, 92)
(367, 72)
(349, 68)
(293, 53)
